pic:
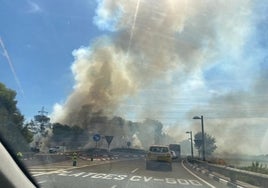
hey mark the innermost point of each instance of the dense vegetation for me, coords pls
(65, 135)
(256, 167)
(12, 127)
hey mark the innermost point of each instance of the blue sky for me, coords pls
(40, 37)
(204, 58)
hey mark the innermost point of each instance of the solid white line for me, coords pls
(134, 170)
(197, 176)
(114, 186)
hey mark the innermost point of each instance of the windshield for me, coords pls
(87, 87)
(159, 149)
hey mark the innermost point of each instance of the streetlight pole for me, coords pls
(191, 137)
(203, 135)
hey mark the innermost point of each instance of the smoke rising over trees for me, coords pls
(210, 53)
(139, 134)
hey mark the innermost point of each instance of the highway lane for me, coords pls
(121, 174)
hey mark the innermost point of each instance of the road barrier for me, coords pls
(234, 174)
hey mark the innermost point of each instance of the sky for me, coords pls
(164, 60)
(40, 37)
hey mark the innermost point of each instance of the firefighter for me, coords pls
(19, 155)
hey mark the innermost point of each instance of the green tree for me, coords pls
(210, 143)
(11, 121)
(27, 134)
(72, 137)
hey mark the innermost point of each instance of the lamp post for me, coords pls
(203, 136)
(191, 137)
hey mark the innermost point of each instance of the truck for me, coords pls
(176, 151)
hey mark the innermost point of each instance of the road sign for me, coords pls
(109, 139)
(96, 137)
(128, 144)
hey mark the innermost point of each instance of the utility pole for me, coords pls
(203, 135)
(191, 138)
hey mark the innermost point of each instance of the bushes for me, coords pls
(256, 167)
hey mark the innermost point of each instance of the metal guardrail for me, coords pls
(253, 178)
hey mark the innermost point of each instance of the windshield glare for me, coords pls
(89, 90)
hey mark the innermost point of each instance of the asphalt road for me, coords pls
(120, 173)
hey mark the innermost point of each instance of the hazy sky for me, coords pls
(165, 60)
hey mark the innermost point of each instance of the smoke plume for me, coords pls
(153, 49)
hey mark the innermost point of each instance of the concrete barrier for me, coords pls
(234, 175)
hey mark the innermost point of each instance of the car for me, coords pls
(158, 155)
(53, 150)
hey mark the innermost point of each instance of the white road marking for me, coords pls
(135, 170)
(42, 169)
(197, 176)
(120, 177)
(58, 171)
(36, 172)
(40, 182)
(223, 181)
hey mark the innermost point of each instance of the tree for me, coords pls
(27, 134)
(210, 143)
(11, 121)
(73, 136)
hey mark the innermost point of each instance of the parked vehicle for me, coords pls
(56, 149)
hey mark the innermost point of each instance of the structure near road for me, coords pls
(41, 128)
(177, 149)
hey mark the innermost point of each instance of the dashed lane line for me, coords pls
(40, 182)
(135, 170)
